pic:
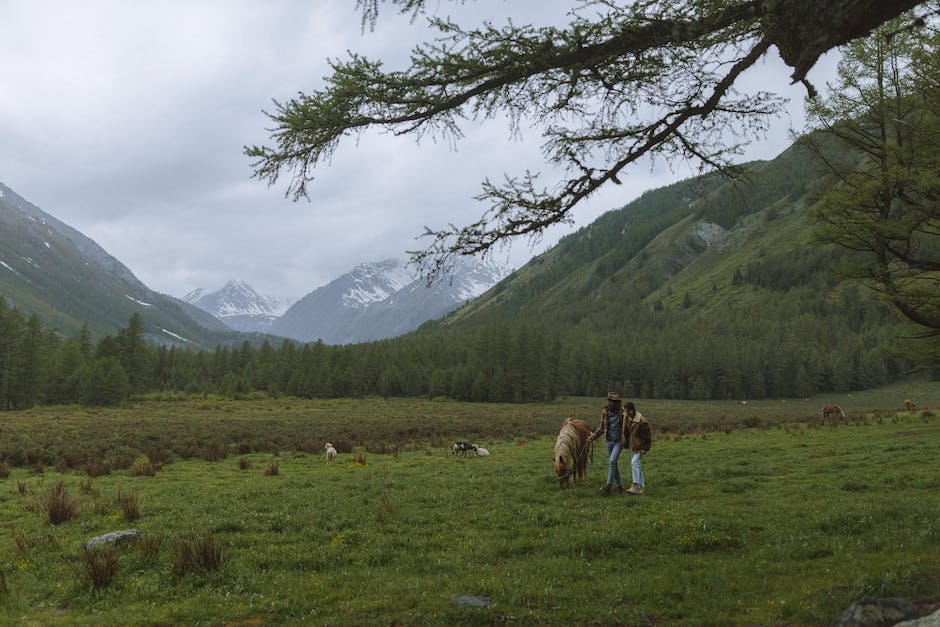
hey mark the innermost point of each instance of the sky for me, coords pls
(127, 121)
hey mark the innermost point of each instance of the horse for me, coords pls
(832, 410)
(909, 405)
(571, 451)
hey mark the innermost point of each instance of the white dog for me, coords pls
(330, 452)
(481, 452)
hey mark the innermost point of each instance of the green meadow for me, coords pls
(755, 514)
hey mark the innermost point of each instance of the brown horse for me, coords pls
(832, 410)
(571, 451)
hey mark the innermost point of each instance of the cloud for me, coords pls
(126, 120)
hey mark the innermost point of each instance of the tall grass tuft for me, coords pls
(196, 552)
(4, 470)
(244, 463)
(21, 486)
(59, 505)
(100, 566)
(271, 468)
(130, 505)
(144, 468)
(149, 545)
(4, 588)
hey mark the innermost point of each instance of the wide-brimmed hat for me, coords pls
(613, 396)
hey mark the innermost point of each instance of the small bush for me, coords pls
(97, 469)
(158, 455)
(272, 469)
(196, 552)
(149, 545)
(130, 505)
(214, 452)
(85, 486)
(123, 461)
(100, 566)
(4, 470)
(59, 505)
(244, 463)
(144, 468)
(342, 445)
(21, 486)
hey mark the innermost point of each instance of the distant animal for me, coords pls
(481, 452)
(330, 452)
(462, 448)
(909, 405)
(832, 410)
(571, 451)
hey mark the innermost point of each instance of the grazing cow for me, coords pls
(909, 405)
(462, 448)
(330, 452)
(832, 410)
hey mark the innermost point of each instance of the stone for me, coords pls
(114, 538)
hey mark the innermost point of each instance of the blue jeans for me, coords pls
(613, 454)
(637, 470)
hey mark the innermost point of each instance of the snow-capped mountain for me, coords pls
(239, 306)
(382, 300)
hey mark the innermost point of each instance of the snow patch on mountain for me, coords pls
(239, 306)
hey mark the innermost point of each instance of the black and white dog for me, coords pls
(463, 448)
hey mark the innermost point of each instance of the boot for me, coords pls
(605, 489)
(635, 489)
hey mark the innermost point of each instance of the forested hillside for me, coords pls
(705, 289)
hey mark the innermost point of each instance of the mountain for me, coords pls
(240, 307)
(380, 300)
(50, 269)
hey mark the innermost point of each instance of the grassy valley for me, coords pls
(756, 513)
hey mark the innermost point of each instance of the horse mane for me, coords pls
(571, 449)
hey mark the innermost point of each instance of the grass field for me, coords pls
(755, 514)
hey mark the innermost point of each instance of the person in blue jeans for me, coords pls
(613, 423)
(639, 439)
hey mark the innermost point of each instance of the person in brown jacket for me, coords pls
(640, 438)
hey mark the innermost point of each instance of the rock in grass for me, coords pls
(114, 538)
(876, 613)
(470, 600)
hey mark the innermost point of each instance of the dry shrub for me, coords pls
(97, 469)
(149, 545)
(21, 486)
(359, 458)
(387, 503)
(342, 445)
(123, 461)
(159, 455)
(196, 552)
(4, 470)
(144, 468)
(214, 452)
(22, 542)
(59, 505)
(130, 505)
(271, 468)
(244, 463)
(100, 566)
(86, 487)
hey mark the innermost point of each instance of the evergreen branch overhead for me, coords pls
(631, 80)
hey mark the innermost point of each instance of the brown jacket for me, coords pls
(641, 437)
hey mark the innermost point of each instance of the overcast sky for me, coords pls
(127, 120)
